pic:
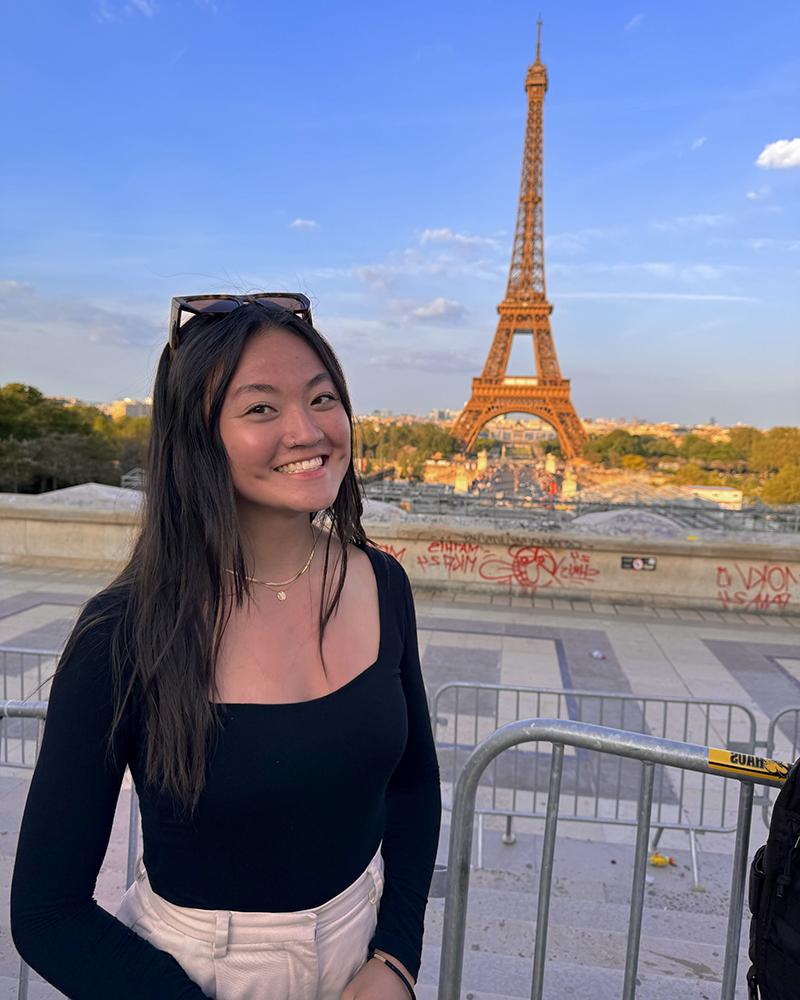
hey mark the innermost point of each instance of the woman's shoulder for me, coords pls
(389, 571)
(104, 610)
(101, 624)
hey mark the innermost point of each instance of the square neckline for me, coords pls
(369, 551)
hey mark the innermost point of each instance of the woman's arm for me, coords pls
(413, 809)
(56, 924)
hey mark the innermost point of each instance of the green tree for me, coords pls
(742, 440)
(69, 459)
(26, 413)
(634, 462)
(131, 436)
(17, 464)
(692, 475)
(779, 447)
(783, 487)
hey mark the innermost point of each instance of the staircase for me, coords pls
(683, 934)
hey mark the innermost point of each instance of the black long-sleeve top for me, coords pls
(298, 797)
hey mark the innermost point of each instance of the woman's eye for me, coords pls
(326, 397)
(259, 408)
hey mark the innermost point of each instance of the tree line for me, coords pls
(45, 445)
(764, 464)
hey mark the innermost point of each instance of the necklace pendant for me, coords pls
(281, 595)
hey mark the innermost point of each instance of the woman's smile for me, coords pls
(305, 468)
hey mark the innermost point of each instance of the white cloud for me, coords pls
(440, 310)
(27, 313)
(146, 7)
(668, 270)
(701, 220)
(783, 154)
(74, 346)
(634, 22)
(446, 235)
(658, 296)
(761, 193)
(107, 11)
(304, 224)
(683, 272)
(698, 142)
(570, 244)
(413, 264)
(427, 359)
(375, 275)
(768, 243)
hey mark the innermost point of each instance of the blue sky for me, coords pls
(369, 155)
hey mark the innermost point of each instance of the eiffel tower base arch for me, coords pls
(550, 403)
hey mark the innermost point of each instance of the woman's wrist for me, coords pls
(397, 968)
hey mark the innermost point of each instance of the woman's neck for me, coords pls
(275, 545)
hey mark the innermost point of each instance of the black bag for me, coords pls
(775, 901)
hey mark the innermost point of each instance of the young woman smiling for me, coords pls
(255, 665)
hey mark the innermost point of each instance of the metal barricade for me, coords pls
(647, 751)
(37, 711)
(783, 734)
(516, 784)
(24, 674)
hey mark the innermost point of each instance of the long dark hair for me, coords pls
(174, 605)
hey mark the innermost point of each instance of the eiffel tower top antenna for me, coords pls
(538, 38)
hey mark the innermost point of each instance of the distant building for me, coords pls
(727, 497)
(518, 432)
(128, 407)
(442, 416)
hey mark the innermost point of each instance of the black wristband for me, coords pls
(393, 967)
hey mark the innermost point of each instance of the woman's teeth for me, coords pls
(311, 463)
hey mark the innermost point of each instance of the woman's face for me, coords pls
(284, 427)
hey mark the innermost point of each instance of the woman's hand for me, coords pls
(376, 981)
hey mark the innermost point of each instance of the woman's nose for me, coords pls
(301, 429)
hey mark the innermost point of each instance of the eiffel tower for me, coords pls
(525, 309)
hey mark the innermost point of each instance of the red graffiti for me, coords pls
(758, 585)
(463, 547)
(392, 551)
(534, 567)
(453, 562)
(528, 566)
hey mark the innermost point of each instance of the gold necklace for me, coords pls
(279, 587)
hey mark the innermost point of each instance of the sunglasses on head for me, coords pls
(185, 306)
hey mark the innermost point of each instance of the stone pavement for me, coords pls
(746, 658)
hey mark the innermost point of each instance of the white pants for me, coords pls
(301, 955)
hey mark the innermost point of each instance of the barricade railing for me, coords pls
(515, 785)
(648, 751)
(783, 735)
(25, 674)
(37, 711)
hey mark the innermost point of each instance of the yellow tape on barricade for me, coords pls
(747, 764)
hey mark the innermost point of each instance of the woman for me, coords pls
(259, 674)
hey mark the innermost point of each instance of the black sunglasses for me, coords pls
(185, 306)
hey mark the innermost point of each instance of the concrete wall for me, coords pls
(757, 576)
(717, 575)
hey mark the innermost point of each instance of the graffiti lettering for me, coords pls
(758, 586)
(443, 546)
(453, 562)
(534, 566)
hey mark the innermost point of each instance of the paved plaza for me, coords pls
(749, 659)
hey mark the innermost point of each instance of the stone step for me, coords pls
(487, 977)
(683, 934)
(498, 922)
